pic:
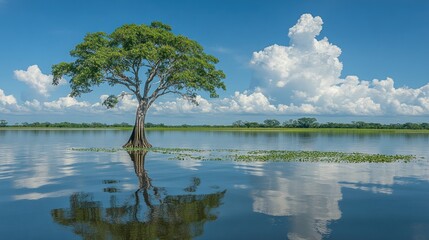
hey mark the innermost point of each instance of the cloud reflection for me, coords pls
(309, 193)
(37, 195)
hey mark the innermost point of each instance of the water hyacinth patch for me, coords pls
(262, 155)
(318, 156)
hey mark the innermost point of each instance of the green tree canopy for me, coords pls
(271, 123)
(3, 123)
(148, 60)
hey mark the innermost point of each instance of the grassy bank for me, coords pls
(235, 129)
(291, 130)
(63, 129)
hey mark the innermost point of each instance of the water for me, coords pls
(49, 191)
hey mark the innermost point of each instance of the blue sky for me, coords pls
(270, 74)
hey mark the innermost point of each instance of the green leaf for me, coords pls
(111, 101)
(139, 56)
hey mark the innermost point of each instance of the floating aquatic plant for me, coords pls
(318, 156)
(262, 155)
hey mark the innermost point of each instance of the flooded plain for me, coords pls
(50, 191)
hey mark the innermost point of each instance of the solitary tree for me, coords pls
(149, 61)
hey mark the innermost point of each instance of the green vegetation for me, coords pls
(69, 125)
(292, 130)
(317, 156)
(263, 155)
(298, 125)
(149, 61)
(312, 123)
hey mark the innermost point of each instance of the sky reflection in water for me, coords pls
(99, 195)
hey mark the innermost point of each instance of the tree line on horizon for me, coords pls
(304, 122)
(307, 122)
(3, 123)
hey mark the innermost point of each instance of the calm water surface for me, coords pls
(49, 191)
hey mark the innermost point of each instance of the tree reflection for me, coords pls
(149, 213)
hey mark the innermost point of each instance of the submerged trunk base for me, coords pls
(143, 143)
(138, 136)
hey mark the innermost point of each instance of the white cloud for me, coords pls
(70, 104)
(307, 73)
(181, 105)
(127, 103)
(303, 77)
(66, 103)
(304, 65)
(240, 102)
(7, 99)
(34, 78)
(246, 102)
(33, 104)
(8, 103)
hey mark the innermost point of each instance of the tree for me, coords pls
(238, 123)
(149, 61)
(148, 213)
(289, 123)
(306, 122)
(3, 123)
(251, 124)
(271, 123)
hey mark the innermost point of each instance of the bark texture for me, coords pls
(138, 136)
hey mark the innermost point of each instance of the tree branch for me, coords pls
(153, 99)
(136, 69)
(117, 81)
(152, 75)
(169, 69)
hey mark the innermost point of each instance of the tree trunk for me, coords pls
(145, 183)
(138, 158)
(138, 136)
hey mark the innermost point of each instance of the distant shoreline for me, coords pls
(231, 129)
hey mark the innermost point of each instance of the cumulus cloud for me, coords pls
(246, 102)
(181, 105)
(127, 103)
(307, 73)
(38, 81)
(69, 104)
(240, 103)
(8, 103)
(63, 105)
(66, 103)
(7, 99)
(303, 77)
